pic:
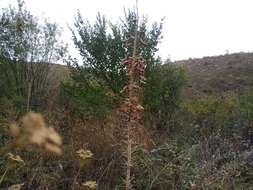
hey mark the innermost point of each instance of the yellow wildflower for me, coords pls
(90, 184)
(16, 187)
(14, 160)
(83, 155)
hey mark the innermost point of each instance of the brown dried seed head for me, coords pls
(53, 136)
(34, 132)
(32, 120)
(37, 136)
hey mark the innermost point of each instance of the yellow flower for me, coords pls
(16, 187)
(90, 184)
(14, 161)
(83, 155)
(16, 158)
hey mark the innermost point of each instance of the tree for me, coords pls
(101, 48)
(26, 50)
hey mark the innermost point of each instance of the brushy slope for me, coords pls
(208, 75)
(218, 74)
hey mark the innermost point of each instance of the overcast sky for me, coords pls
(193, 28)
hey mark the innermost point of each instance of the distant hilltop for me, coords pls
(218, 74)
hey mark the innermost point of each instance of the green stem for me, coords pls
(75, 179)
(4, 174)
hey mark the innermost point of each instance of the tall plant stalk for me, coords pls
(131, 108)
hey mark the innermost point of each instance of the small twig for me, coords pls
(4, 174)
(75, 178)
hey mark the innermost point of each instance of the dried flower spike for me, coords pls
(130, 111)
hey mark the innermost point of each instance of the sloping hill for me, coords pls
(208, 75)
(214, 75)
(57, 74)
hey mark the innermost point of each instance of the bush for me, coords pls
(218, 164)
(161, 169)
(162, 93)
(228, 115)
(86, 96)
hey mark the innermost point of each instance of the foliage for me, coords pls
(162, 94)
(217, 163)
(160, 169)
(209, 141)
(86, 96)
(101, 48)
(26, 49)
(227, 115)
(214, 133)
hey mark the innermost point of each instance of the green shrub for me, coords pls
(162, 92)
(86, 96)
(161, 169)
(217, 163)
(101, 46)
(229, 115)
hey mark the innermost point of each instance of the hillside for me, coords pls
(217, 74)
(208, 75)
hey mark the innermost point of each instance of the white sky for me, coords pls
(193, 28)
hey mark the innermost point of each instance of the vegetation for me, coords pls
(26, 49)
(96, 85)
(102, 137)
